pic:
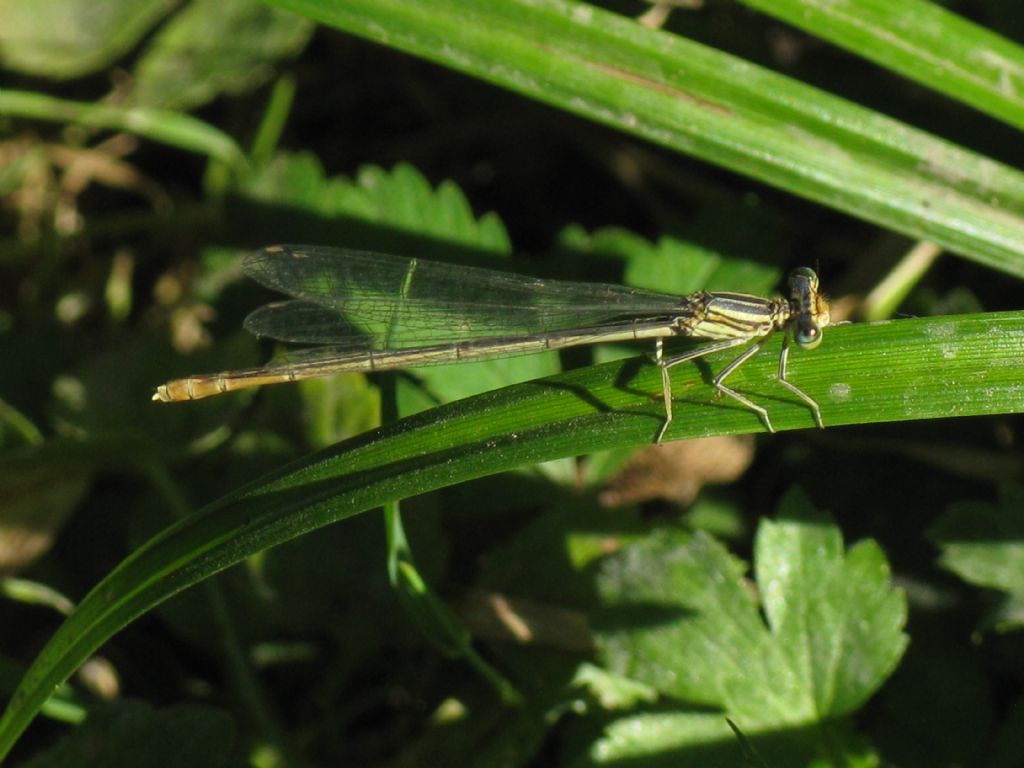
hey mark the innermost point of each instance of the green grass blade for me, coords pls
(711, 105)
(172, 128)
(963, 365)
(924, 42)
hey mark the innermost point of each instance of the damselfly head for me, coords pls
(809, 308)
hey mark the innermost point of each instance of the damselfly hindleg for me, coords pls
(666, 382)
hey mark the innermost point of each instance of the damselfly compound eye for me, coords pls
(808, 335)
(804, 277)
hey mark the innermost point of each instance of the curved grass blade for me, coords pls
(899, 370)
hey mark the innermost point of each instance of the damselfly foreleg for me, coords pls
(811, 402)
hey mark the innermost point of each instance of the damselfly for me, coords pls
(372, 311)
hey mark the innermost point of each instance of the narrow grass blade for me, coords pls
(166, 127)
(923, 41)
(711, 105)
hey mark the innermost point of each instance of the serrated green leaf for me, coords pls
(667, 739)
(214, 47)
(670, 739)
(404, 200)
(984, 543)
(682, 620)
(400, 200)
(837, 619)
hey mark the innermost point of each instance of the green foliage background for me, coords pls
(852, 598)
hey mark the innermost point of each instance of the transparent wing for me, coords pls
(302, 322)
(360, 300)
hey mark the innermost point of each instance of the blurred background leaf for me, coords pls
(71, 38)
(214, 48)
